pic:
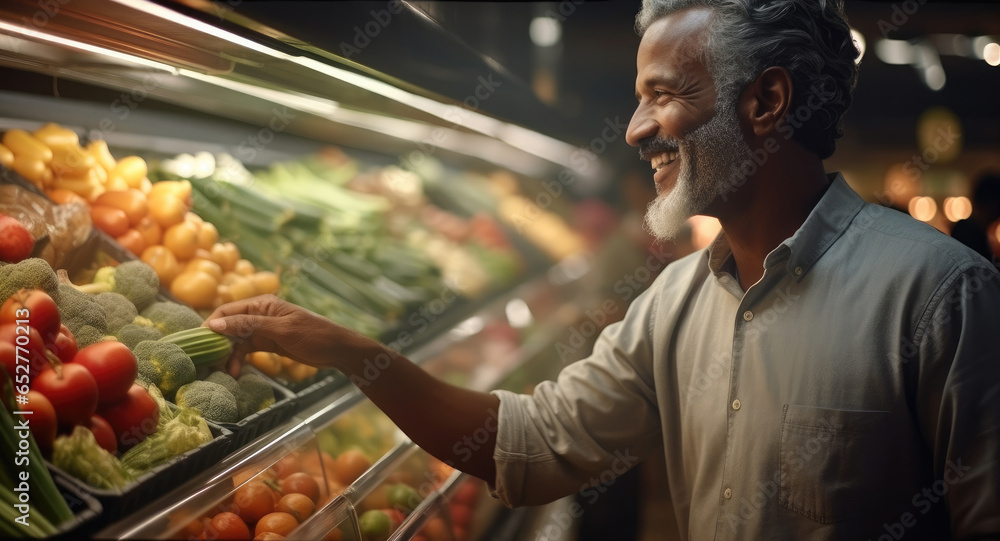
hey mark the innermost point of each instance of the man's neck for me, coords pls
(771, 210)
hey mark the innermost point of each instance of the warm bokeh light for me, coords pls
(923, 208)
(704, 229)
(957, 208)
(991, 54)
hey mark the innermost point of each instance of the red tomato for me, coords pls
(16, 242)
(64, 346)
(103, 433)
(72, 391)
(42, 421)
(34, 308)
(114, 367)
(26, 343)
(132, 418)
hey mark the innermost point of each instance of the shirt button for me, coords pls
(736, 404)
(728, 493)
(798, 271)
(748, 315)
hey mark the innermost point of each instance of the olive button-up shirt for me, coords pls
(852, 393)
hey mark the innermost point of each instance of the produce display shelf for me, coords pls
(157, 481)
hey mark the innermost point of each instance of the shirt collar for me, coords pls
(824, 225)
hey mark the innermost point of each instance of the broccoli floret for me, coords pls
(78, 310)
(120, 311)
(165, 365)
(170, 317)
(88, 335)
(257, 392)
(135, 279)
(32, 273)
(232, 386)
(212, 400)
(133, 333)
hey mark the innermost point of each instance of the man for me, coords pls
(825, 370)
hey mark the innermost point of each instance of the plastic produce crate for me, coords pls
(158, 481)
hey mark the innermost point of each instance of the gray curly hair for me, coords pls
(809, 38)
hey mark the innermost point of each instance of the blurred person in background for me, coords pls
(826, 369)
(974, 231)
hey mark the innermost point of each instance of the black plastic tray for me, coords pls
(159, 480)
(86, 510)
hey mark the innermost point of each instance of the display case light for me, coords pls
(38, 35)
(307, 104)
(168, 14)
(468, 117)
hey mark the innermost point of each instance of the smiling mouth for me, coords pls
(664, 159)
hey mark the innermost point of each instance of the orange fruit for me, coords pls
(350, 465)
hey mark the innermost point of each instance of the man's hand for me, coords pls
(267, 323)
(436, 415)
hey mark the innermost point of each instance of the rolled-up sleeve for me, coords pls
(595, 422)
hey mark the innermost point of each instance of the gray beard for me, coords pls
(710, 156)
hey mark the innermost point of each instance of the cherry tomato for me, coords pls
(299, 506)
(72, 391)
(300, 483)
(113, 365)
(43, 421)
(227, 525)
(64, 346)
(34, 308)
(19, 343)
(132, 418)
(253, 500)
(103, 433)
(277, 522)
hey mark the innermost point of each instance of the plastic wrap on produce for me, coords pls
(59, 230)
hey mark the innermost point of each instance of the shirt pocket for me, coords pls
(832, 462)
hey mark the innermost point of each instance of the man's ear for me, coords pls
(767, 99)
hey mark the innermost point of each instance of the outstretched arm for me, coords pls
(437, 416)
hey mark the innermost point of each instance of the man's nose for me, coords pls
(640, 127)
